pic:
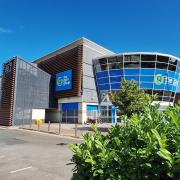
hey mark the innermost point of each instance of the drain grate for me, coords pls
(61, 144)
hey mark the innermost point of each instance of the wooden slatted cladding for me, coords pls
(7, 100)
(70, 59)
(177, 98)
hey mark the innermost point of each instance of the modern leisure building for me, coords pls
(77, 79)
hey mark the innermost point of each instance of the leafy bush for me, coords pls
(131, 99)
(148, 147)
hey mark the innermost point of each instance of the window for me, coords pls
(172, 67)
(103, 64)
(164, 59)
(131, 61)
(161, 65)
(148, 58)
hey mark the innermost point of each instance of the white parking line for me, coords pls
(18, 170)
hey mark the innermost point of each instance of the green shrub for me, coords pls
(148, 147)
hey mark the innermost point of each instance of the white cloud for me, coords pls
(4, 30)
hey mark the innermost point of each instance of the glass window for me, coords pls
(103, 80)
(164, 59)
(172, 67)
(131, 64)
(147, 78)
(161, 65)
(102, 74)
(166, 98)
(159, 86)
(148, 91)
(167, 93)
(115, 79)
(112, 60)
(148, 58)
(173, 61)
(168, 87)
(115, 86)
(145, 85)
(131, 61)
(103, 64)
(157, 92)
(147, 72)
(104, 87)
(147, 64)
(132, 58)
(132, 78)
(115, 65)
(131, 72)
(120, 59)
(116, 72)
(172, 94)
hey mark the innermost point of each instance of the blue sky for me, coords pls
(33, 28)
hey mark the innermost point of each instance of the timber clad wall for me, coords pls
(177, 98)
(71, 59)
(8, 85)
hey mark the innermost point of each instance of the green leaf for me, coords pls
(164, 153)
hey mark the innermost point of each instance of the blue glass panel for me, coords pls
(178, 87)
(144, 85)
(69, 106)
(176, 76)
(159, 86)
(147, 78)
(118, 72)
(104, 87)
(147, 71)
(171, 74)
(92, 107)
(131, 72)
(161, 71)
(173, 88)
(115, 86)
(102, 74)
(115, 79)
(103, 80)
(132, 78)
(168, 87)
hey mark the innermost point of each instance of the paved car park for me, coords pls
(28, 155)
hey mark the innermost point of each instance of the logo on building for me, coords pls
(64, 80)
(159, 79)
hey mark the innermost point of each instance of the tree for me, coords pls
(130, 99)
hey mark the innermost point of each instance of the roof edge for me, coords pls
(69, 46)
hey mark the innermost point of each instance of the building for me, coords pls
(63, 84)
(71, 84)
(157, 73)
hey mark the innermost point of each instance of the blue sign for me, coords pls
(64, 80)
(158, 79)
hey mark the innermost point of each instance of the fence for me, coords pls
(69, 123)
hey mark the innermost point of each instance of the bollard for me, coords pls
(75, 129)
(49, 124)
(38, 126)
(60, 127)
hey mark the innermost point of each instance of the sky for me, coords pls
(33, 28)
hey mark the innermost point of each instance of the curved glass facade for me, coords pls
(154, 72)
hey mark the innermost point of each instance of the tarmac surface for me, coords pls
(26, 155)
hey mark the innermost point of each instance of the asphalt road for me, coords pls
(34, 156)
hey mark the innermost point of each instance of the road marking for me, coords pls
(18, 170)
